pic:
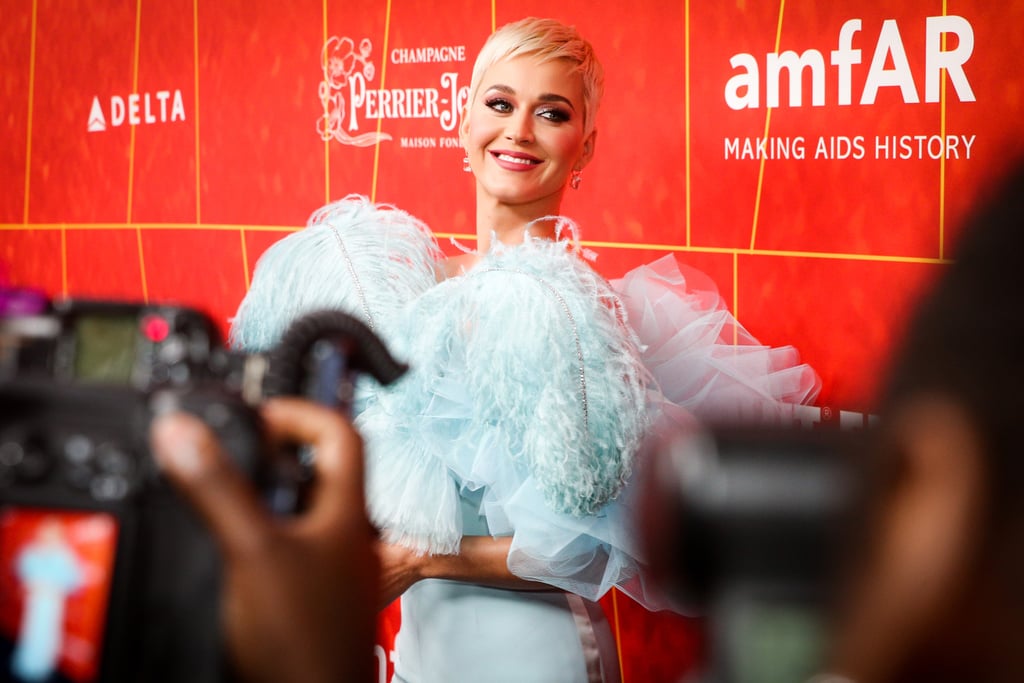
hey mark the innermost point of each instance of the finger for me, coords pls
(338, 454)
(190, 456)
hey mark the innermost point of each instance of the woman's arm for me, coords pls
(481, 560)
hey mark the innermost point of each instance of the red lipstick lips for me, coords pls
(514, 161)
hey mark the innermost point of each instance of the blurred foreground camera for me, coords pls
(105, 574)
(750, 527)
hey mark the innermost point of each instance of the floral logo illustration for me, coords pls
(341, 63)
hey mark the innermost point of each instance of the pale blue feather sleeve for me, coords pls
(366, 259)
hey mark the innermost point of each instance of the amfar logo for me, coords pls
(136, 109)
(347, 99)
(743, 89)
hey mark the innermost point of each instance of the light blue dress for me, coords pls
(455, 631)
(522, 415)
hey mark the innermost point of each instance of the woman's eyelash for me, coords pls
(556, 115)
(499, 104)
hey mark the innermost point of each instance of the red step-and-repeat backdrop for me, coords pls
(816, 159)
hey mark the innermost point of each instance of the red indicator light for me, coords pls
(155, 328)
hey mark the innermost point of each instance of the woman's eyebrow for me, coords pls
(544, 97)
(555, 97)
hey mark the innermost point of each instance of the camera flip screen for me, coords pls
(56, 570)
(105, 348)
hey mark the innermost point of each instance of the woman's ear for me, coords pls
(464, 126)
(589, 145)
(918, 559)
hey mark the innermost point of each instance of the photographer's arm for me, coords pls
(298, 602)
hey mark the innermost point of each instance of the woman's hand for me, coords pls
(299, 592)
(400, 568)
(481, 559)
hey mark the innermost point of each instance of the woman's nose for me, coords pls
(520, 127)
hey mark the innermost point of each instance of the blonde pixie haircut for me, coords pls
(545, 39)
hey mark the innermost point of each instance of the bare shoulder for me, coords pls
(460, 264)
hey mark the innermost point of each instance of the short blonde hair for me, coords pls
(546, 39)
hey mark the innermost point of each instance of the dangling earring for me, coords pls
(576, 179)
(465, 164)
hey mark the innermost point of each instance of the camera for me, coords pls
(106, 575)
(752, 527)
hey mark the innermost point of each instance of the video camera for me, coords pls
(753, 527)
(106, 575)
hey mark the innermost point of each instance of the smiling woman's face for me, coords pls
(524, 132)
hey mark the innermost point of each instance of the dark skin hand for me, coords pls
(300, 592)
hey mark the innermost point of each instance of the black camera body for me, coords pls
(88, 527)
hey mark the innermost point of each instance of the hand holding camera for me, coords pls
(300, 592)
(83, 498)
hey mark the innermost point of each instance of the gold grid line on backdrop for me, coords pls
(327, 141)
(31, 98)
(195, 67)
(735, 297)
(686, 110)
(618, 632)
(131, 154)
(632, 246)
(136, 47)
(942, 160)
(767, 127)
(383, 84)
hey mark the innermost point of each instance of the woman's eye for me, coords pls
(499, 105)
(554, 115)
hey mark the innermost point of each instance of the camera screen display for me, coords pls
(56, 568)
(105, 348)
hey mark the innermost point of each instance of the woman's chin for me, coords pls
(519, 195)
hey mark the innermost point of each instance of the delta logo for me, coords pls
(136, 109)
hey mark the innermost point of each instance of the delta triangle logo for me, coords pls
(97, 122)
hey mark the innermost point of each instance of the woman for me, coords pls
(499, 467)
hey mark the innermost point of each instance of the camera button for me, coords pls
(172, 349)
(109, 487)
(27, 462)
(112, 460)
(11, 454)
(78, 449)
(180, 374)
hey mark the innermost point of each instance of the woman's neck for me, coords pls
(508, 224)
